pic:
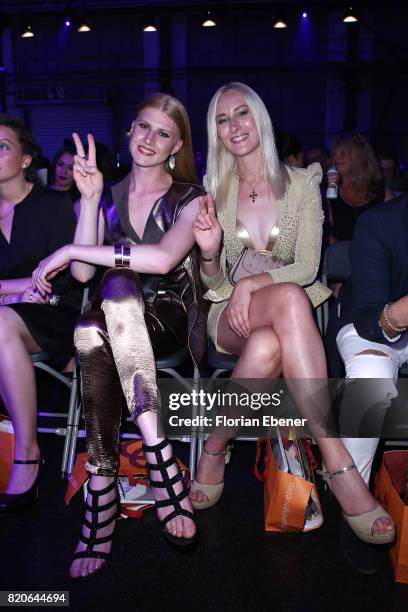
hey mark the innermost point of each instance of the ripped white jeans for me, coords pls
(378, 367)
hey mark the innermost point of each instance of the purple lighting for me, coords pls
(304, 15)
(67, 22)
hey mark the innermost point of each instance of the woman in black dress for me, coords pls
(61, 173)
(146, 306)
(34, 221)
(360, 184)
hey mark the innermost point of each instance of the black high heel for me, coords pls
(174, 499)
(13, 503)
(94, 525)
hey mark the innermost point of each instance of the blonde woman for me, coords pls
(267, 318)
(360, 183)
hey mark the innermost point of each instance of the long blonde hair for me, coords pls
(365, 176)
(220, 162)
(185, 167)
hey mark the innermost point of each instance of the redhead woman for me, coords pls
(267, 318)
(146, 307)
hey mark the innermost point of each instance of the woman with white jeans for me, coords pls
(380, 363)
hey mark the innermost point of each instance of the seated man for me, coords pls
(374, 343)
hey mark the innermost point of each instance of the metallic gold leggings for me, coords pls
(114, 345)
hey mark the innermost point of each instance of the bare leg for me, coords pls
(259, 357)
(285, 310)
(19, 396)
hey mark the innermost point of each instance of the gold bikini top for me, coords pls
(244, 237)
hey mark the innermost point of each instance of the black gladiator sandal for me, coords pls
(174, 499)
(94, 525)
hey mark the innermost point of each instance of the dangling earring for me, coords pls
(172, 162)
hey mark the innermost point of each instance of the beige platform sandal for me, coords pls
(213, 492)
(362, 524)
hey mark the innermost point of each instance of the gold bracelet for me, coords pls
(394, 328)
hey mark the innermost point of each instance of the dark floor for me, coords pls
(237, 566)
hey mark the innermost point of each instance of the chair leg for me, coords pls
(195, 433)
(73, 399)
(74, 437)
(72, 428)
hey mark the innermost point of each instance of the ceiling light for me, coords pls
(350, 16)
(149, 25)
(83, 26)
(209, 20)
(280, 24)
(27, 32)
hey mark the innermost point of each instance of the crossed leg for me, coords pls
(285, 337)
(116, 357)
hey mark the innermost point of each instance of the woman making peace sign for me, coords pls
(266, 317)
(145, 308)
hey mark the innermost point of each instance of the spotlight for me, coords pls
(280, 24)
(304, 15)
(27, 32)
(67, 22)
(350, 16)
(149, 25)
(209, 20)
(83, 26)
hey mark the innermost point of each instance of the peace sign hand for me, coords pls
(88, 178)
(206, 228)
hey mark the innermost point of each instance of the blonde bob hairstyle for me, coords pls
(220, 162)
(185, 170)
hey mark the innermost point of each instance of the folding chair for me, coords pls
(42, 361)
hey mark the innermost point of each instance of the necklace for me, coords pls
(253, 195)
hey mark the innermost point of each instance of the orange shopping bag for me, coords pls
(6, 450)
(388, 486)
(291, 501)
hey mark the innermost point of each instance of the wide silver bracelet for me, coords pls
(122, 255)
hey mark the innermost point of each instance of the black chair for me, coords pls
(336, 269)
